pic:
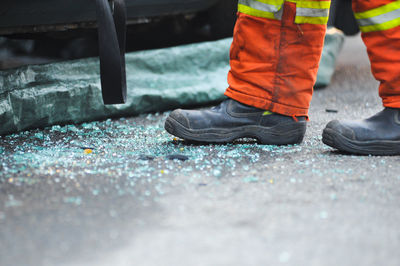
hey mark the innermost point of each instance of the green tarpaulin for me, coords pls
(69, 92)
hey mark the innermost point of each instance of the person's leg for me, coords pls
(274, 56)
(274, 62)
(379, 21)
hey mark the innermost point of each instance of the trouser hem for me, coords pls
(392, 102)
(266, 104)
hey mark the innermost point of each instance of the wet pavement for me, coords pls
(125, 192)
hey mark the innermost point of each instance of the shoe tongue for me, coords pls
(239, 107)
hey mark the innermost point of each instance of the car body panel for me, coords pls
(27, 14)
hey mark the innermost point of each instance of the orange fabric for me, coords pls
(384, 53)
(274, 63)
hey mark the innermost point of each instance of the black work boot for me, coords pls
(377, 135)
(232, 120)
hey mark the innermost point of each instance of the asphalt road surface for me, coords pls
(124, 192)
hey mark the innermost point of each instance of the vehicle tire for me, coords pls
(342, 17)
(222, 18)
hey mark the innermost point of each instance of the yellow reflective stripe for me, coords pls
(271, 2)
(379, 19)
(260, 6)
(311, 20)
(311, 12)
(383, 26)
(382, 18)
(313, 16)
(312, 4)
(257, 13)
(315, 8)
(378, 11)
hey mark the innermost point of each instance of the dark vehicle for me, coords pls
(66, 29)
(69, 20)
(49, 16)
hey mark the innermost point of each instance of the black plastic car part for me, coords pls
(112, 38)
(342, 17)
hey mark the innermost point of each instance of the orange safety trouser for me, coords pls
(274, 62)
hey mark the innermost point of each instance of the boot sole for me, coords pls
(382, 147)
(281, 134)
